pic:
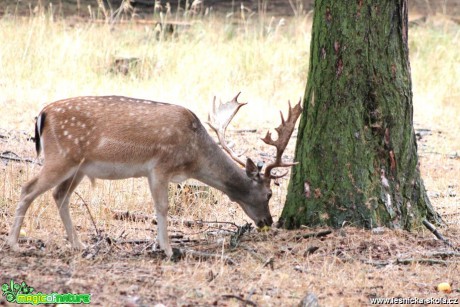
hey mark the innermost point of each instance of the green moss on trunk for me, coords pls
(356, 144)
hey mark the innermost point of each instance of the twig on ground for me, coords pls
(382, 263)
(377, 263)
(270, 262)
(314, 234)
(15, 135)
(423, 260)
(90, 215)
(199, 222)
(243, 131)
(245, 302)
(310, 250)
(438, 235)
(132, 216)
(135, 242)
(11, 156)
(443, 254)
(235, 238)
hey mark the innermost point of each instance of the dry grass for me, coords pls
(42, 60)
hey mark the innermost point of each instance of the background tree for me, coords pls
(356, 143)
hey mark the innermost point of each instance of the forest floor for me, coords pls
(226, 263)
(338, 267)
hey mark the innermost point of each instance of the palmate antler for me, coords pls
(223, 113)
(219, 119)
(284, 134)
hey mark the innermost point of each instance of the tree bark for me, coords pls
(356, 144)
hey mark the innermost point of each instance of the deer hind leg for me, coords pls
(159, 190)
(47, 179)
(61, 195)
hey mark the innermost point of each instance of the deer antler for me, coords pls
(284, 133)
(219, 119)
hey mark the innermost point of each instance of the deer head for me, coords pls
(255, 206)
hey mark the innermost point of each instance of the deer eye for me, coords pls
(269, 195)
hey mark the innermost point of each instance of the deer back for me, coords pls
(120, 130)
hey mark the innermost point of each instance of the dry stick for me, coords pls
(245, 302)
(421, 260)
(433, 229)
(135, 242)
(377, 263)
(443, 254)
(406, 261)
(314, 234)
(6, 155)
(89, 212)
(132, 216)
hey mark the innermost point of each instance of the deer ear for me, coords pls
(251, 169)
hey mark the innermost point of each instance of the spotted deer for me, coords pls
(113, 137)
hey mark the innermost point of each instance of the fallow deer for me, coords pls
(112, 137)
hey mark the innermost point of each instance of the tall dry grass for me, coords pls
(42, 60)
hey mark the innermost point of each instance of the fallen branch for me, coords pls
(235, 238)
(382, 263)
(245, 302)
(438, 235)
(423, 260)
(11, 156)
(135, 242)
(377, 263)
(184, 241)
(310, 250)
(90, 215)
(38, 242)
(314, 234)
(15, 135)
(201, 222)
(132, 216)
(243, 131)
(443, 254)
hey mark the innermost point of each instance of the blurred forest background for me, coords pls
(143, 8)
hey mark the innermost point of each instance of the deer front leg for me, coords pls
(159, 190)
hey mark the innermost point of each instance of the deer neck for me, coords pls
(219, 171)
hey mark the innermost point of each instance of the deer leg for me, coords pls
(159, 192)
(61, 195)
(47, 179)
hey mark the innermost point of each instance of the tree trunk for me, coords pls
(356, 144)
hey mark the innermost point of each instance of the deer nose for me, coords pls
(269, 221)
(265, 222)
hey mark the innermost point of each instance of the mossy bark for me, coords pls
(356, 144)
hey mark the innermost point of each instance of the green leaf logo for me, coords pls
(11, 290)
